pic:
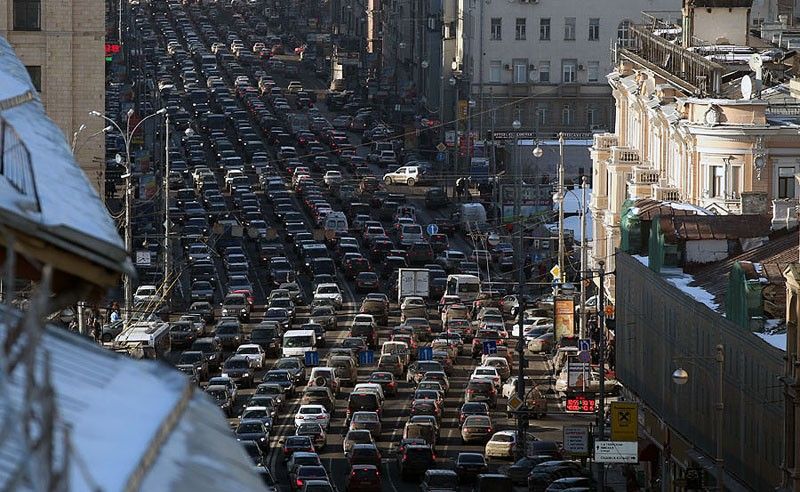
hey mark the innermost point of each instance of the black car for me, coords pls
(236, 305)
(268, 336)
(436, 198)
(204, 309)
(229, 333)
(281, 377)
(415, 460)
(295, 368)
(238, 368)
(253, 430)
(223, 397)
(196, 359)
(386, 380)
(182, 333)
(254, 452)
(212, 351)
(470, 465)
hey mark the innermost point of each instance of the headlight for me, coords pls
(246, 375)
(224, 374)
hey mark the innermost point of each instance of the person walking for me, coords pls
(459, 188)
(115, 315)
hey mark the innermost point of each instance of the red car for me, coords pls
(363, 478)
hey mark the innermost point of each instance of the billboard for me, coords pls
(578, 374)
(564, 309)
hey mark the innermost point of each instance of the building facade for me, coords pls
(685, 133)
(62, 47)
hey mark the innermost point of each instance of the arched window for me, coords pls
(624, 33)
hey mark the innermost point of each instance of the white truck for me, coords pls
(412, 282)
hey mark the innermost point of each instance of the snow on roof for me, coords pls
(42, 189)
(681, 280)
(777, 340)
(115, 408)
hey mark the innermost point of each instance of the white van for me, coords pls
(335, 224)
(473, 216)
(297, 342)
(466, 287)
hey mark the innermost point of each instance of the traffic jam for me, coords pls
(325, 290)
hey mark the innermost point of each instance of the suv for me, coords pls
(268, 335)
(415, 460)
(481, 390)
(345, 369)
(409, 175)
(364, 326)
(378, 308)
(236, 305)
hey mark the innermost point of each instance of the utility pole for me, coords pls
(522, 420)
(584, 255)
(601, 325)
(167, 228)
(561, 194)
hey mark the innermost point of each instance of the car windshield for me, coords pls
(359, 436)
(255, 414)
(321, 312)
(249, 428)
(298, 441)
(237, 364)
(365, 417)
(471, 458)
(310, 411)
(502, 438)
(218, 394)
(287, 364)
(189, 357)
(249, 350)
(309, 429)
(328, 289)
(227, 330)
(276, 376)
(478, 421)
(298, 341)
(312, 471)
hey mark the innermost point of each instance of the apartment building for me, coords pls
(705, 115)
(62, 46)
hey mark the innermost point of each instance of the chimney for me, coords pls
(784, 214)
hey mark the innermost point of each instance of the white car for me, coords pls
(332, 178)
(315, 414)
(407, 175)
(253, 353)
(501, 445)
(145, 294)
(487, 372)
(330, 292)
(294, 87)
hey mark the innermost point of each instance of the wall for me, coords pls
(657, 323)
(731, 24)
(706, 251)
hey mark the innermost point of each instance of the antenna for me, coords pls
(756, 63)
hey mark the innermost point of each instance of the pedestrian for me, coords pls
(528, 268)
(459, 188)
(611, 357)
(115, 316)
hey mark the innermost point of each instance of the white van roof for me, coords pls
(299, 333)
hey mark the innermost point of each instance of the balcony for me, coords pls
(666, 193)
(604, 141)
(644, 174)
(624, 156)
(688, 70)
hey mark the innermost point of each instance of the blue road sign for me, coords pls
(425, 353)
(311, 359)
(490, 347)
(432, 229)
(441, 156)
(366, 357)
(584, 344)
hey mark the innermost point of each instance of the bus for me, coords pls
(466, 287)
(146, 339)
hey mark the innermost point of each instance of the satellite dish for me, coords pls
(532, 76)
(756, 61)
(747, 87)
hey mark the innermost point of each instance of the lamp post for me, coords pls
(126, 137)
(453, 83)
(680, 377)
(561, 265)
(517, 221)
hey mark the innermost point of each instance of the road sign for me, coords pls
(616, 452)
(425, 353)
(576, 440)
(441, 156)
(490, 347)
(580, 403)
(432, 229)
(441, 147)
(584, 356)
(584, 344)
(515, 403)
(578, 374)
(311, 359)
(143, 258)
(624, 421)
(366, 357)
(556, 272)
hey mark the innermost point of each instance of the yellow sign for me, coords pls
(624, 421)
(556, 272)
(462, 109)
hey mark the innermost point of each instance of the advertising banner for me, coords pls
(564, 318)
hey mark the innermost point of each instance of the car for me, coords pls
(306, 473)
(319, 395)
(363, 478)
(236, 305)
(415, 460)
(222, 397)
(416, 370)
(476, 428)
(301, 458)
(239, 369)
(202, 290)
(315, 431)
(182, 333)
(378, 306)
(489, 373)
(145, 294)
(292, 444)
(392, 364)
(469, 465)
(253, 353)
(413, 307)
(502, 444)
(370, 421)
(330, 292)
(472, 408)
(481, 390)
(227, 383)
(436, 198)
(437, 480)
(364, 454)
(438, 376)
(196, 359)
(253, 430)
(324, 315)
(356, 436)
(294, 366)
(545, 473)
(518, 471)
(229, 333)
(312, 413)
(282, 378)
(386, 380)
(267, 335)
(278, 315)
(254, 452)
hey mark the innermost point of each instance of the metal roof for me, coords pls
(710, 227)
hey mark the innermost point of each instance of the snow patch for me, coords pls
(777, 340)
(644, 260)
(682, 280)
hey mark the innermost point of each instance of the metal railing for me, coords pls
(15, 163)
(605, 141)
(624, 155)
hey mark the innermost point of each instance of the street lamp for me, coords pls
(680, 377)
(537, 151)
(127, 136)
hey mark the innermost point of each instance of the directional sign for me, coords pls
(432, 229)
(515, 403)
(143, 258)
(441, 147)
(624, 421)
(584, 344)
(616, 452)
(490, 347)
(366, 357)
(576, 440)
(311, 359)
(556, 272)
(425, 353)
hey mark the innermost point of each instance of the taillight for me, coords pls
(299, 483)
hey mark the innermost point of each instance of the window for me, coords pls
(592, 116)
(521, 30)
(785, 182)
(624, 33)
(27, 15)
(520, 71)
(593, 71)
(594, 29)
(568, 115)
(542, 116)
(569, 28)
(544, 29)
(544, 71)
(717, 180)
(495, 71)
(497, 29)
(568, 70)
(35, 73)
